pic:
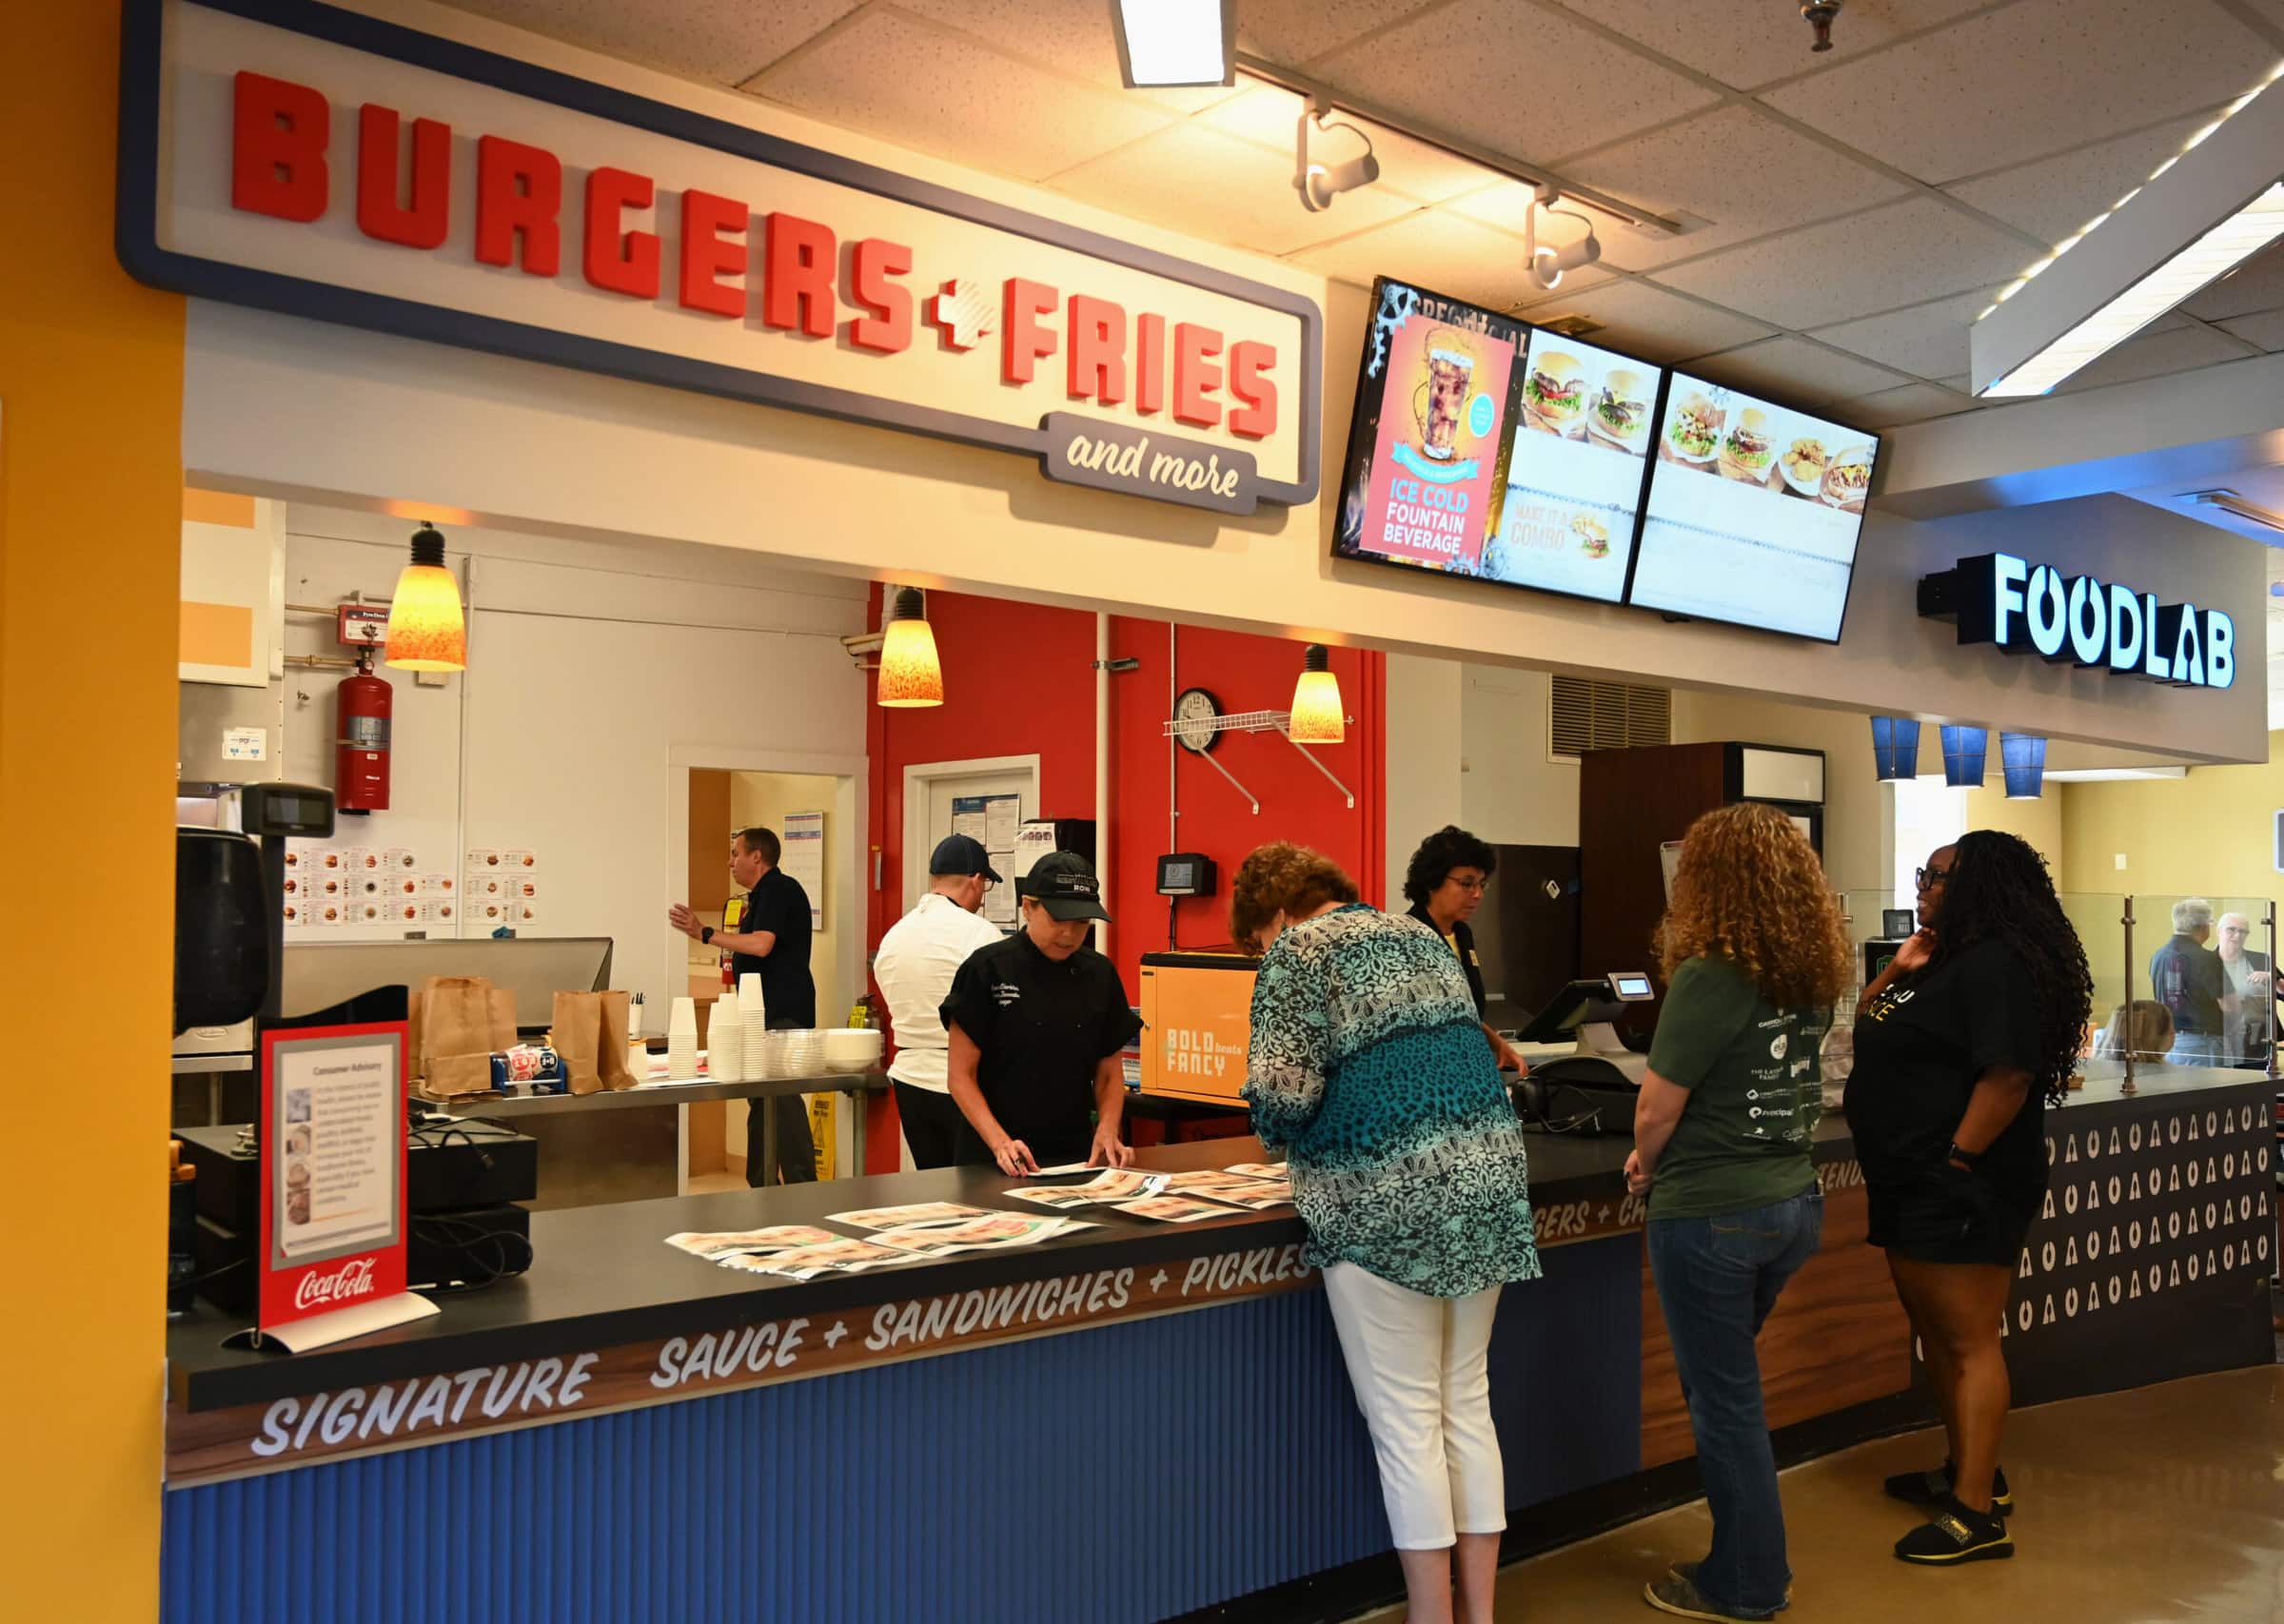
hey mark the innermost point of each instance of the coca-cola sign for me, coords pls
(352, 1280)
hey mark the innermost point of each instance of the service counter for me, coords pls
(1136, 1421)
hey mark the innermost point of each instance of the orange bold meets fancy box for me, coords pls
(1197, 1013)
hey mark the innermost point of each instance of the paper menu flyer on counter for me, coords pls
(1258, 1169)
(1065, 1170)
(1057, 1195)
(1123, 1185)
(716, 1245)
(1172, 1209)
(995, 1230)
(806, 1262)
(912, 1217)
(1256, 1195)
(1210, 1181)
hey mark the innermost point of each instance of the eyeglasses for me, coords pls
(2235, 930)
(1478, 885)
(1930, 878)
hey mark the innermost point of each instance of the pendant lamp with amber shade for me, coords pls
(911, 676)
(426, 630)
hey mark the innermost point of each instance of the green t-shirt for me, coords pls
(1756, 1094)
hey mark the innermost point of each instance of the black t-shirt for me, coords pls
(1919, 1047)
(779, 904)
(1042, 1027)
(2188, 978)
(1462, 942)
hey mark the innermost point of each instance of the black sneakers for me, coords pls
(1933, 1488)
(1957, 1535)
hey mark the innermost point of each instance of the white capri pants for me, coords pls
(1421, 1368)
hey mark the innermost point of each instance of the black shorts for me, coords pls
(1947, 1214)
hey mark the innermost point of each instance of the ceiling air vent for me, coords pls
(1585, 715)
(1575, 325)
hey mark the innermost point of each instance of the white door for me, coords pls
(931, 797)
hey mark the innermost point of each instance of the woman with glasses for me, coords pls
(1961, 1043)
(1444, 883)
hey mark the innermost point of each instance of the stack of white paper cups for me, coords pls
(681, 1041)
(754, 1016)
(725, 1043)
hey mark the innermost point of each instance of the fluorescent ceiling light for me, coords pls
(2230, 503)
(2204, 211)
(1177, 42)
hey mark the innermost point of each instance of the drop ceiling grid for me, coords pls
(1902, 113)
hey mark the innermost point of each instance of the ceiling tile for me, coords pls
(1077, 36)
(1963, 384)
(1516, 79)
(1792, 370)
(2152, 354)
(2265, 329)
(2257, 284)
(724, 41)
(1647, 321)
(1723, 166)
(1507, 205)
(1929, 341)
(1441, 252)
(1913, 404)
(1294, 32)
(2031, 78)
(1749, 42)
(1270, 117)
(1905, 253)
(1251, 202)
(2055, 197)
(938, 91)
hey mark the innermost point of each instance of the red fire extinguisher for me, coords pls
(362, 707)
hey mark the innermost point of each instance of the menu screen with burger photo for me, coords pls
(1574, 473)
(1753, 513)
(1424, 445)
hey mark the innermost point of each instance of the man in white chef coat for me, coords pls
(913, 968)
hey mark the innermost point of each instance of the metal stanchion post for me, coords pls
(2125, 1023)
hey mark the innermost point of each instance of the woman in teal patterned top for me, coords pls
(1370, 1072)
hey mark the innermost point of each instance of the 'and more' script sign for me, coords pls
(304, 159)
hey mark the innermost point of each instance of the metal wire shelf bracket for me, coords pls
(1278, 722)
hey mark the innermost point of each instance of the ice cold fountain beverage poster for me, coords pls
(1437, 371)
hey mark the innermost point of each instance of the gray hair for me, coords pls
(2222, 923)
(2190, 913)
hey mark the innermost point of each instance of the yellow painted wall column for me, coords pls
(91, 536)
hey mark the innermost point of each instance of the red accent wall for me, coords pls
(1019, 678)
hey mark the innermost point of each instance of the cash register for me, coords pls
(1591, 1090)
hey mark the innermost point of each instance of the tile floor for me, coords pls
(2165, 1503)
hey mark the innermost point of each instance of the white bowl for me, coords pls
(851, 1048)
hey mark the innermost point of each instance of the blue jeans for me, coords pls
(1717, 1277)
(2195, 1048)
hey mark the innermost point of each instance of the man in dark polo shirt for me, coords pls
(1037, 1026)
(771, 941)
(2187, 977)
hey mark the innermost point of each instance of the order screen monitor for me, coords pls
(1601, 1000)
(1753, 513)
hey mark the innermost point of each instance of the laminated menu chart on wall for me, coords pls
(989, 821)
(803, 857)
(1034, 840)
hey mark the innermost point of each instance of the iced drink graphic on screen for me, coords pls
(1441, 399)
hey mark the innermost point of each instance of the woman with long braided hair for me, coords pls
(1960, 1045)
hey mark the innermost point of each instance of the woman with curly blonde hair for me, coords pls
(1754, 957)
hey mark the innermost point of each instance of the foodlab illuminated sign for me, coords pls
(2025, 607)
(312, 160)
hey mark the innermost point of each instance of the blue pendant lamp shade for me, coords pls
(2024, 757)
(1963, 753)
(1895, 747)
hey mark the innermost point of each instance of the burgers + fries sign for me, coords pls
(303, 159)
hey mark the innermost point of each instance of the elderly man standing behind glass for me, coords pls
(2244, 1006)
(2186, 977)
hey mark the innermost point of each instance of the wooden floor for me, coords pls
(2165, 1503)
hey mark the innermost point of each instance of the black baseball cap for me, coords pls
(1064, 886)
(962, 854)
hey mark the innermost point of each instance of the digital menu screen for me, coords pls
(1431, 399)
(1582, 431)
(1753, 513)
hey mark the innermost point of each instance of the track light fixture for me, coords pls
(1318, 183)
(1543, 260)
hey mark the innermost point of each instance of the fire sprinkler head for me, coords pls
(1818, 15)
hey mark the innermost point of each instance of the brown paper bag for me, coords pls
(577, 1024)
(416, 1057)
(502, 1004)
(456, 1015)
(452, 1076)
(611, 1042)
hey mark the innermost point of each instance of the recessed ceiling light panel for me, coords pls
(1177, 42)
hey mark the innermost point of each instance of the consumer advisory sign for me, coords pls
(304, 159)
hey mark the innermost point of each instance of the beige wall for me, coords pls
(2038, 822)
(1513, 791)
(2208, 834)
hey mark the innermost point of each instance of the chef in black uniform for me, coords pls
(1445, 883)
(1037, 1024)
